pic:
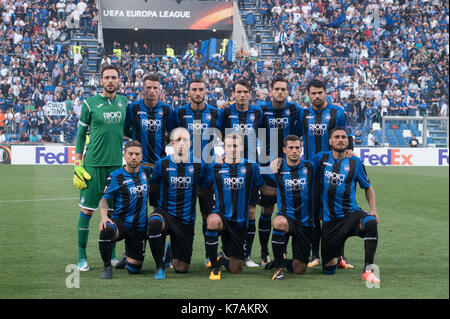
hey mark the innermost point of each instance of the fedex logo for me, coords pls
(392, 157)
(47, 157)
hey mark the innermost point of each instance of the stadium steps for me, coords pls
(268, 45)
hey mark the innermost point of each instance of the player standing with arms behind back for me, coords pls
(104, 116)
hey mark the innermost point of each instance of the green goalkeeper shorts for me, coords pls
(91, 195)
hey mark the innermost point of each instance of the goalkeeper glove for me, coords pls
(80, 176)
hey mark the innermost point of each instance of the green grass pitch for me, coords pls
(39, 214)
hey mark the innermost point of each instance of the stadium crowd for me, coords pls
(394, 65)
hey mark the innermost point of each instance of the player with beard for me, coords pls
(341, 215)
(203, 121)
(315, 124)
(103, 115)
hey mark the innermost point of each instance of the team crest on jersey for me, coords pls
(305, 171)
(191, 169)
(243, 170)
(160, 113)
(252, 117)
(327, 117)
(288, 112)
(119, 104)
(208, 116)
(346, 168)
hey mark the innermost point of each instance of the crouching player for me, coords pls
(234, 181)
(128, 188)
(341, 215)
(177, 180)
(294, 180)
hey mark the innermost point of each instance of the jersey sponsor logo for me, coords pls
(327, 164)
(233, 183)
(280, 122)
(318, 129)
(242, 129)
(334, 178)
(197, 128)
(100, 105)
(296, 184)
(112, 117)
(180, 182)
(151, 125)
(138, 190)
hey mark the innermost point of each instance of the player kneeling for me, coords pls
(233, 182)
(128, 188)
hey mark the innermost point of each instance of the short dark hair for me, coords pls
(241, 82)
(132, 143)
(197, 80)
(338, 128)
(279, 79)
(110, 67)
(151, 77)
(291, 138)
(317, 84)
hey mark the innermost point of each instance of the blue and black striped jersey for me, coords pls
(295, 191)
(129, 193)
(338, 184)
(233, 185)
(201, 125)
(316, 125)
(149, 126)
(178, 187)
(285, 121)
(246, 124)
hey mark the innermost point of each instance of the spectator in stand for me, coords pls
(413, 142)
(34, 138)
(357, 139)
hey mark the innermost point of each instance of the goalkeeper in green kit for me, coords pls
(104, 116)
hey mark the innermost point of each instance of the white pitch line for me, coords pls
(36, 200)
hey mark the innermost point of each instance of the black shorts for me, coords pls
(135, 240)
(301, 239)
(206, 203)
(267, 201)
(254, 199)
(233, 238)
(335, 233)
(181, 236)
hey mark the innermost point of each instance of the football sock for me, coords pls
(83, 234)
(278, 244)
(370, 241)
(204, 236)
(156, 239)
(250, 237)
(211, 244)
(264, 226)
(105, 244)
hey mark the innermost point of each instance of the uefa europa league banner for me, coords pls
(166, 14)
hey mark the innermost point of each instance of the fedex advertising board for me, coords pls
(61, 155)
(403, 156)
(42, 154)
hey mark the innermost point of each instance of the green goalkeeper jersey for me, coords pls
(105, 119)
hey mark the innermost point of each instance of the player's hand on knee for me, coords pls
(374, 213)
(80, 175)
(104, 222)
